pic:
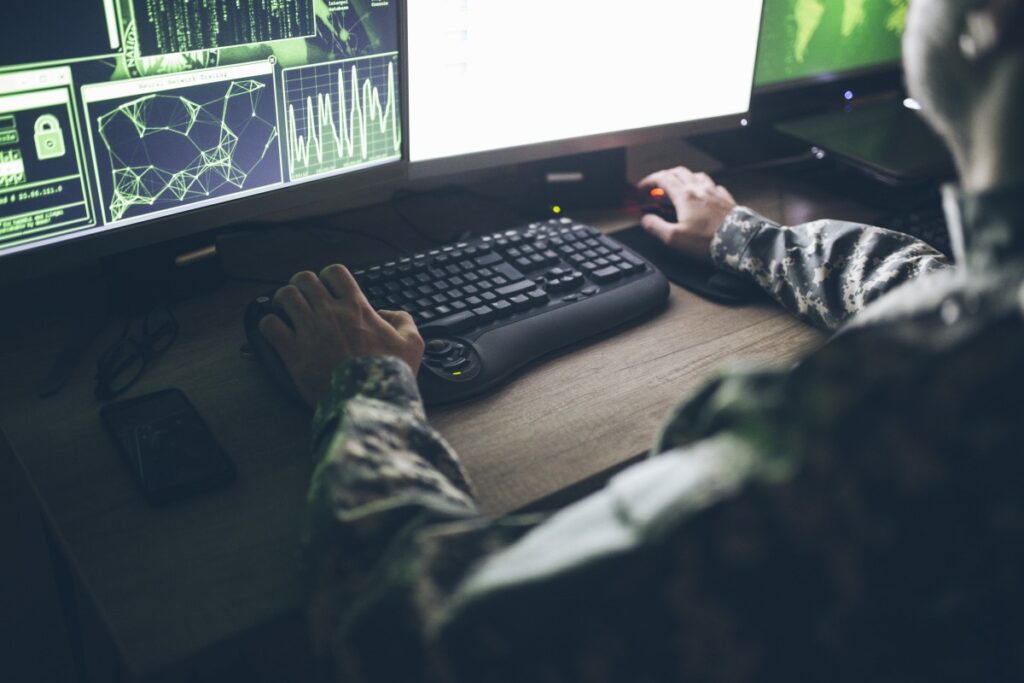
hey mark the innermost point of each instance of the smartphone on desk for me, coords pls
(169, 449)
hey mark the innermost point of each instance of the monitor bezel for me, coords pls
(828, 78)
(779, 100)
(341, 191)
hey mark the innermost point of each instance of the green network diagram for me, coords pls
(164, 150)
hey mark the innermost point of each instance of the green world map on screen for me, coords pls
(801, 39)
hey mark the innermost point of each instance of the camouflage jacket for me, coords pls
(859, 517)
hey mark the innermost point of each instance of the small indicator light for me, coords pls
(657, 192)
(457, 373)
(556, 209)
(912, 104)
(848, 95)
(744, 122)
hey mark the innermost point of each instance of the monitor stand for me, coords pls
(883, 140)
(755, 147)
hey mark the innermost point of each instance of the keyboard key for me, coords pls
(489, 260)
(507, 271)
(537, 296)
(516, 288)
(502, 307)
(453, 323)
(520, 302)
(484, 313)
(608, 274)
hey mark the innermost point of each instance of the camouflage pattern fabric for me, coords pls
(824, 272)
(857, 518)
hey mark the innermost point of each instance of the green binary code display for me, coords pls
(803, 39)
(173, 26)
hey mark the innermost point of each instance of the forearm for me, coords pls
(824, 272)
(382, 474)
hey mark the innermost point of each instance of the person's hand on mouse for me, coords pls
(333, 322)
(701, 208)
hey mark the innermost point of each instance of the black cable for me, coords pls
(376, 238)
(398, 196)
(403, 194)
(255, 280)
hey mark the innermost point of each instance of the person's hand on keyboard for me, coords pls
(701, 207)
(332, 322)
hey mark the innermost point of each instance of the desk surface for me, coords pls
(171, 582)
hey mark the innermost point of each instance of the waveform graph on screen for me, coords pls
(342, 115)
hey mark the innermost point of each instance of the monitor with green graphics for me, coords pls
(117, 113)
(814, 40)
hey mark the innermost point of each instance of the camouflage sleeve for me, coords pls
(412, 584)
(824, 272)
(381, 473)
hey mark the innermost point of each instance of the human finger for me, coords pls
(684, 174)
(401, 321)
(290, 301)
(280, 337)
(703, 180)
(724, 193)
(343, 286)
(659, 227)
(312, 288)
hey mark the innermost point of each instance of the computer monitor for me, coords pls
(494, 82)
(126, 122)
(806, 42)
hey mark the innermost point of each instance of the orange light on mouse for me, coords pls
(657, 192)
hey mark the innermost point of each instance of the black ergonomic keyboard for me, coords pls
(488, 306)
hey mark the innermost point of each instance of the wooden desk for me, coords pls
(172, 584)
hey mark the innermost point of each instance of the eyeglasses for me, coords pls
(122, 364)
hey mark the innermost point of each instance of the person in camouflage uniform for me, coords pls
(859, 517)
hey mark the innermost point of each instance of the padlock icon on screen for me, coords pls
(49, 138)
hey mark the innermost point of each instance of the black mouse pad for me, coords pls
(691, 274)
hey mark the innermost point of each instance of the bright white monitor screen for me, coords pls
(487, 75)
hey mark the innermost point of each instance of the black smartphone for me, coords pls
(167, 446)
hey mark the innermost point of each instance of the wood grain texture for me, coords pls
(174, 582)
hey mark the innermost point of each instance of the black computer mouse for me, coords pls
(263, 351)
(655, 200)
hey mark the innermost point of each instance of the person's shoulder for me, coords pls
(923, 351)
(951, 302)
